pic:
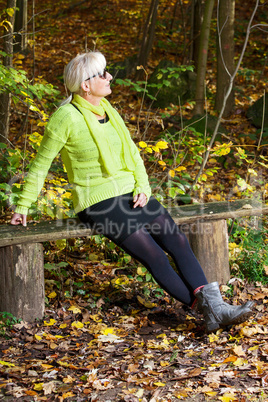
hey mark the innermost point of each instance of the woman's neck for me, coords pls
(94, 100)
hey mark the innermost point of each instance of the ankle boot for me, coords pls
(216, 312)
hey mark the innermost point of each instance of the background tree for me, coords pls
(225, 54)
(5, 97)
(197, 11)
(148, 35)
(202, 58)
(20, 26)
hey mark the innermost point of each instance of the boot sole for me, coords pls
(215, 326)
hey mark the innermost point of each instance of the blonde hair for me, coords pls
(80, 68)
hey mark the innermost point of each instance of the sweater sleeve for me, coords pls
(51, 144)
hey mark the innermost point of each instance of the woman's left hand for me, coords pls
(140, 200)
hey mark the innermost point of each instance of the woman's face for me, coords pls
(100, 85)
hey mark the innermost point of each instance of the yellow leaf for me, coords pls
(61, 244)
(46, 366)
(38, 337)
(240, 362)
(107, 331)
(213, 338)
(247, 331)
(156, 149)
(39, 386)
(162, 163)
(171, 173)
(162, 145)
(96, 318)
(77, 324)
(159, 384)
(63, 326)
(50, 322)
(68, 379)
(52, 295)
(145, 303)
(164, 363)
(227, 397)
(68, 395)
(149, 150)
(34, 108)
(63, 364)
(7, 364)
(123, 280)
(74, 309)
(212, 160)
(238, 350)
(180, 168)
(253, 347)
(24, 93)
(141, 271)
(142, 144)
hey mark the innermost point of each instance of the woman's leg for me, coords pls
(216, 312)
(167, 234)
(143, 247)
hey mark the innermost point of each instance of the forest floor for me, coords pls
(109, 334)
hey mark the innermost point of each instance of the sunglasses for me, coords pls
(101, 75)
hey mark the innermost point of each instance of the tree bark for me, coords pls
(148, 36)
(202, 58)
(20, 26)
(209, 242)
(22, 281)
(225, 54)
(197, 19)
(5, 97)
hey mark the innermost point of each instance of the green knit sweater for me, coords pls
(68, 133)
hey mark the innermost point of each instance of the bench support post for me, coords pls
(22, 281)
(209, 242)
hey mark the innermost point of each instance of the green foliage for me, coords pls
(165, 77)
(151, 287)
(22, 90)
(248, 250)
(10, 165)
(7, 320)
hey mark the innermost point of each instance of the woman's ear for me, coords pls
(85, 86)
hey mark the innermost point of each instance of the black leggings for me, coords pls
(149, 246)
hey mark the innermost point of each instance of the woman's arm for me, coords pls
(142, 185)
(54, 139)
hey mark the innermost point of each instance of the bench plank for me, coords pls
(72, 227)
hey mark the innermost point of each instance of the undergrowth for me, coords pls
(248, 250)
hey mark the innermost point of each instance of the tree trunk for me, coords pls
(202, 58)
(225, 54)
(20, 26)
(5, 97)
(148, 36)
(197, 19)
(209, 242)
(22, 281)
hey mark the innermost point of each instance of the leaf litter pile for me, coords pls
(102, 339)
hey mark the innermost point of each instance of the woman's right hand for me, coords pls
(19, 219)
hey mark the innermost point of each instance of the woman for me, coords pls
(111, 192)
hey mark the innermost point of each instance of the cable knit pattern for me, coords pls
(68, 133)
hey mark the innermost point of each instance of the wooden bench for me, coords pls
(21, 251)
